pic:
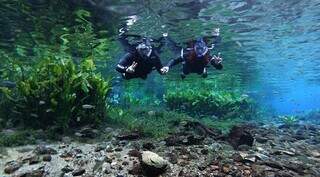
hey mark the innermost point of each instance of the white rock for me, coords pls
(153, 160)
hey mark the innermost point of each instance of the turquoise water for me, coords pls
(271, 47)
(258, 116)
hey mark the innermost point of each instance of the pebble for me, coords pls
(34, 160)
(78, 172)
(125, 163)
(11, 167)
(118, 149)
(67, 169)
(42, 150)
(47, 158)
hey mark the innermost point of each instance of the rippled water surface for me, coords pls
(271, 46)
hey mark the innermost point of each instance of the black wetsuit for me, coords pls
(193, 64)
(144, 66)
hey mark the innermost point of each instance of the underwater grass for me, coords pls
(17, 138)
(159, 124)
(224, 125)
(150, 123)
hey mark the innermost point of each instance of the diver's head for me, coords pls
(200, 48)
(145, 48)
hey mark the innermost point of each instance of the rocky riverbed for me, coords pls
(195, 150)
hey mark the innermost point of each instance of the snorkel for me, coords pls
(145, 48)
(200, 48)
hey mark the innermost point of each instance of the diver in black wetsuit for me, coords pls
(141, 58)
(196, 57)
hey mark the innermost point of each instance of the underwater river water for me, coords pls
(270, 46)
(61, 96)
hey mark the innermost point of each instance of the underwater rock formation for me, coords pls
(152, 164)
(280, 153)
(240, 135)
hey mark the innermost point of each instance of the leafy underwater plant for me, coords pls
(288, 120)
(58, 93)
(220, 104)
(52, 59)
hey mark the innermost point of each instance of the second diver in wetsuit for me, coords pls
(196, 57)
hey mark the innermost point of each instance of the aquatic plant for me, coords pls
(51, 55)
(17, 138)
(48, 28)
(161, 123)
(132, 101)
(58, 93)
(4, 104)
(225, 125)
(150, 123)
(288, 119)
(221, 104)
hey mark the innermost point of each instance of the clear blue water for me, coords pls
(271, 46)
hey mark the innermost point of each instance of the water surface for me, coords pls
(269, 46)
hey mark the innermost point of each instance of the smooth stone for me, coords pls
(78, 172)
(47, 158)
(42, 150)
(67, 169)
(11, 167)
(152, 164)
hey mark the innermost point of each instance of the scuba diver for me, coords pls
(197, 56)
(141, 57)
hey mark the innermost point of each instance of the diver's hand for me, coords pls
(164, 70)
(131, 69)
(217, 59)
(216, 32)
(122, 31)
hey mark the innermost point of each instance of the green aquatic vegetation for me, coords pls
(150, 123)
(51, 55)
(131, 100)
(58, 93)
(201, 103)
(289, 120)
(142, 94)
(17, 138)
(46, 29)
(81, 40)
(225, 125)
(159, 124)
(4, 104)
